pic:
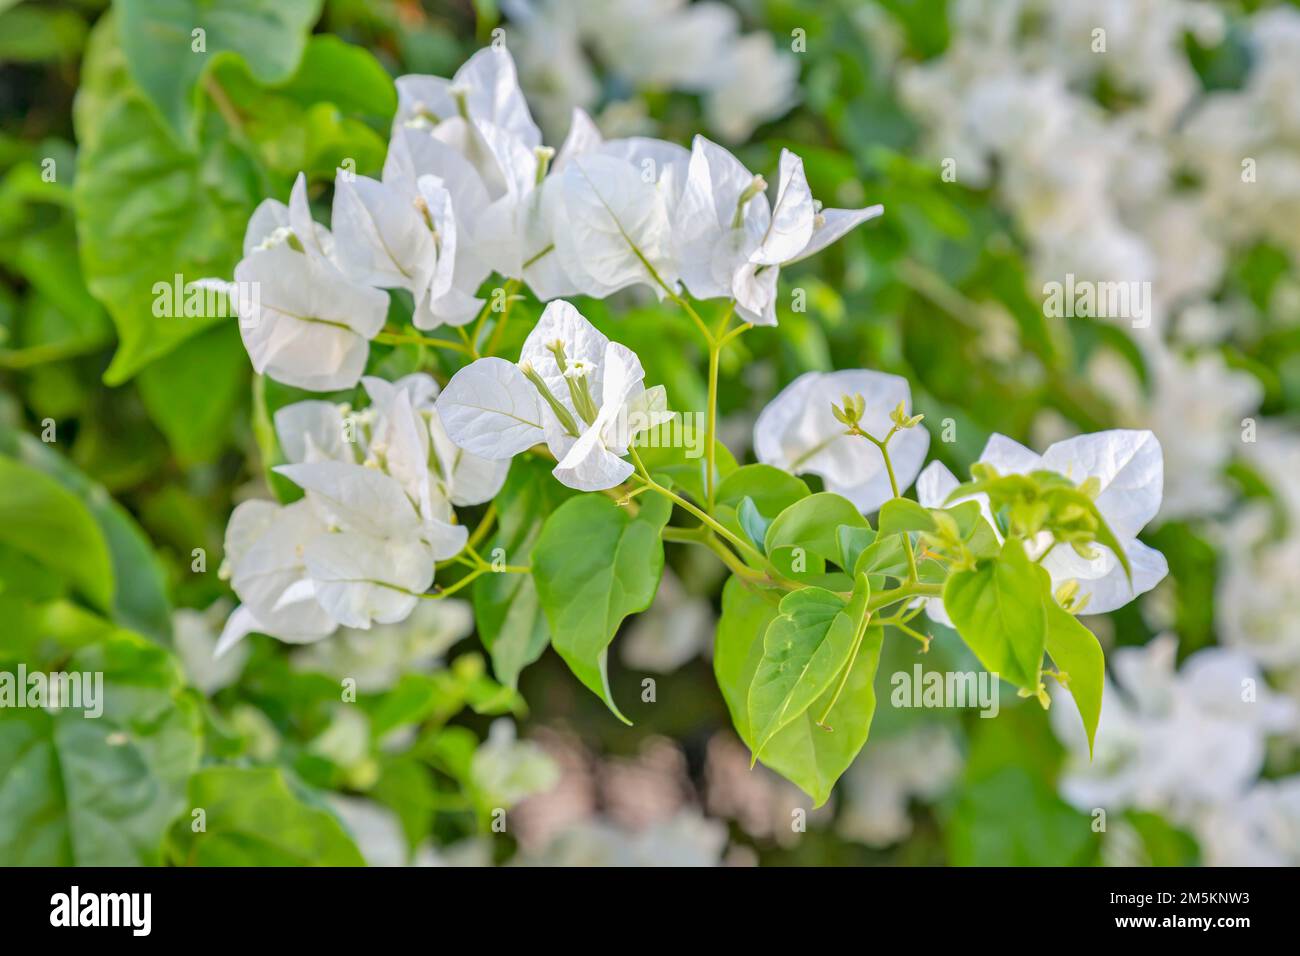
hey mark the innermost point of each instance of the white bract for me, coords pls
(392, 237)
(572, 388)
(265, 563)
(468, 190)
(1129, 468)
(302, 320)
(361, 547)
(798, 432)
(732, 243)
(612, 211)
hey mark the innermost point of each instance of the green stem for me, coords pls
(744, 548)
(539, 255)
(464, 582)
(902, 593)
(511, 288)
(410, 338)
(484, 526)
(893, 486)
(703, 536)
(711, 426)
(925, 641)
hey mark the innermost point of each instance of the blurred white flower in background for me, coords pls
(798, 432)
(648, 45)
(506, 769)
(1177, 741)
(1195, 406)
(1260, 829)
(675, 629)
(377, 658)
(921, 763)
(194, 635)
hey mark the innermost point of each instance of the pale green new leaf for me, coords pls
(997, 608)
(807, 755)
(813, 524)
(799, 650)
(1075, 650)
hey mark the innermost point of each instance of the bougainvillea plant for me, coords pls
(586, 471)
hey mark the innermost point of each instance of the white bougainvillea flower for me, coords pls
(264, 562)
(731, 242)
(392, 238)
(457, 477)
(485, 89)
(377, 515)
(274, 223)
(572, 388)
(376, 557)
(474, 133)
(543, 215)
(798, 228)
(1128, 465)
(721, 219)
(379, 436)
(798, 432)
(492, 177)
(308, 325)
(612, 220)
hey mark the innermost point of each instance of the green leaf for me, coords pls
(801, 656)
(31, 34)
(507, 609)
(92, 792)
(349, 76)
(746, 614)
(324, 116)
(139, 584)
(852, 541)
(252, 817)
(974, 529)
(813, 524)
(751, 522)
(595, 564)
(1104, 535)
(771, 489)
(160, 43)
(901, 515)
(48, 523)
(74, 321)
(807, 755)
(149, 210)
(192, 392)
(883, 558)
(1075, 650)
(998, 610)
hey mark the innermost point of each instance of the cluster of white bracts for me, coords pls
(468, 191)
(360, 547)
